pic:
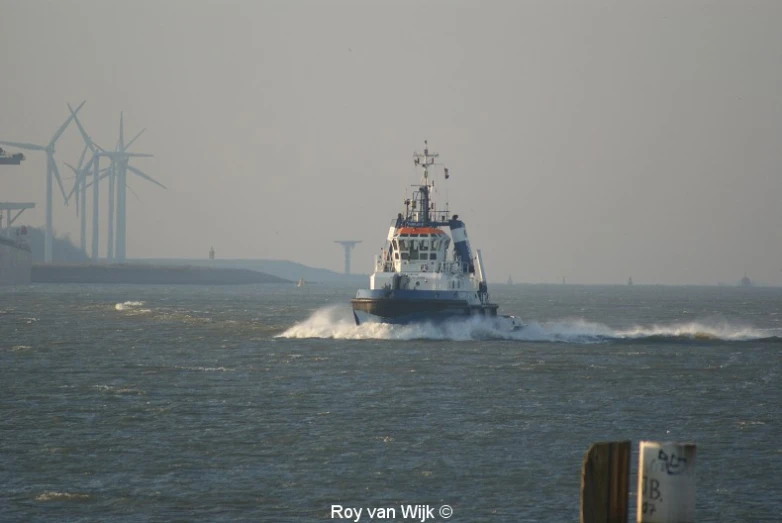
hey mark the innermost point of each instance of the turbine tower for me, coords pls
(51, 170)
(348, 246)
(80, 190)
(81, 185)
(120, 159)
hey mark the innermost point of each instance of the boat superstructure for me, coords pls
(427, 270)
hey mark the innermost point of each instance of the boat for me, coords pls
(425, 274)
(300, 283)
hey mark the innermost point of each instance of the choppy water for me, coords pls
(265, 403)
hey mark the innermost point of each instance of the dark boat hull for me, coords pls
(404, 307)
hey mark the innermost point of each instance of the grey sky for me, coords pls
(593, 140)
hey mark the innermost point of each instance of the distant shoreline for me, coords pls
(137, 273)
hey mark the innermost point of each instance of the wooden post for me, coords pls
(605, 474)
(666, 482)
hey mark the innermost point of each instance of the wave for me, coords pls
(130, 305)
(701, 331)
(62, 496)
(205, 369)
(336, 322)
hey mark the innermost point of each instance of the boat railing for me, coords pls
(383, 265)
(435, 267)
(457, 267)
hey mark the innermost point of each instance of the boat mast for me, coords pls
(425, 161)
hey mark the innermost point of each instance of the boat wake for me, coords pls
(336, 322)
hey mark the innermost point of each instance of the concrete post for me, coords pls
(666, 482)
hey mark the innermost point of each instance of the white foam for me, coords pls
(337, 322)
(128, 305)
(205, 369)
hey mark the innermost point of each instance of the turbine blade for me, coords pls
(87, 167)
(121, 142)
(59, 181)
(75, 187)
(133, 192)
(83, 133)
(105, 172)
(83, 154)
(64, 125)
(145, 176)
(80, 175)
(134, 139)
(28, 146)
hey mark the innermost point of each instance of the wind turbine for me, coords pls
(79, 204)
(120, 166)
(117, 174)
(51, 170)
(82, 172)
(81, 180)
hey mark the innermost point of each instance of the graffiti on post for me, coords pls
(672, 465)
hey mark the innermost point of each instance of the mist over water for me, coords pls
(267, 402)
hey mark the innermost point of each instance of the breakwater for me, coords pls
(147, 274)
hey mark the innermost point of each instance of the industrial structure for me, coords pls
(9, 207)
(51, 171)
(86, 174)
(16, 259)
(348, 246)
(14, 159)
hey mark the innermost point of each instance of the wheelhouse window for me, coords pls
(423, 246)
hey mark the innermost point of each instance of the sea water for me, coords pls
(267, 403)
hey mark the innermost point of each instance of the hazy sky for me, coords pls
(594, 140)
